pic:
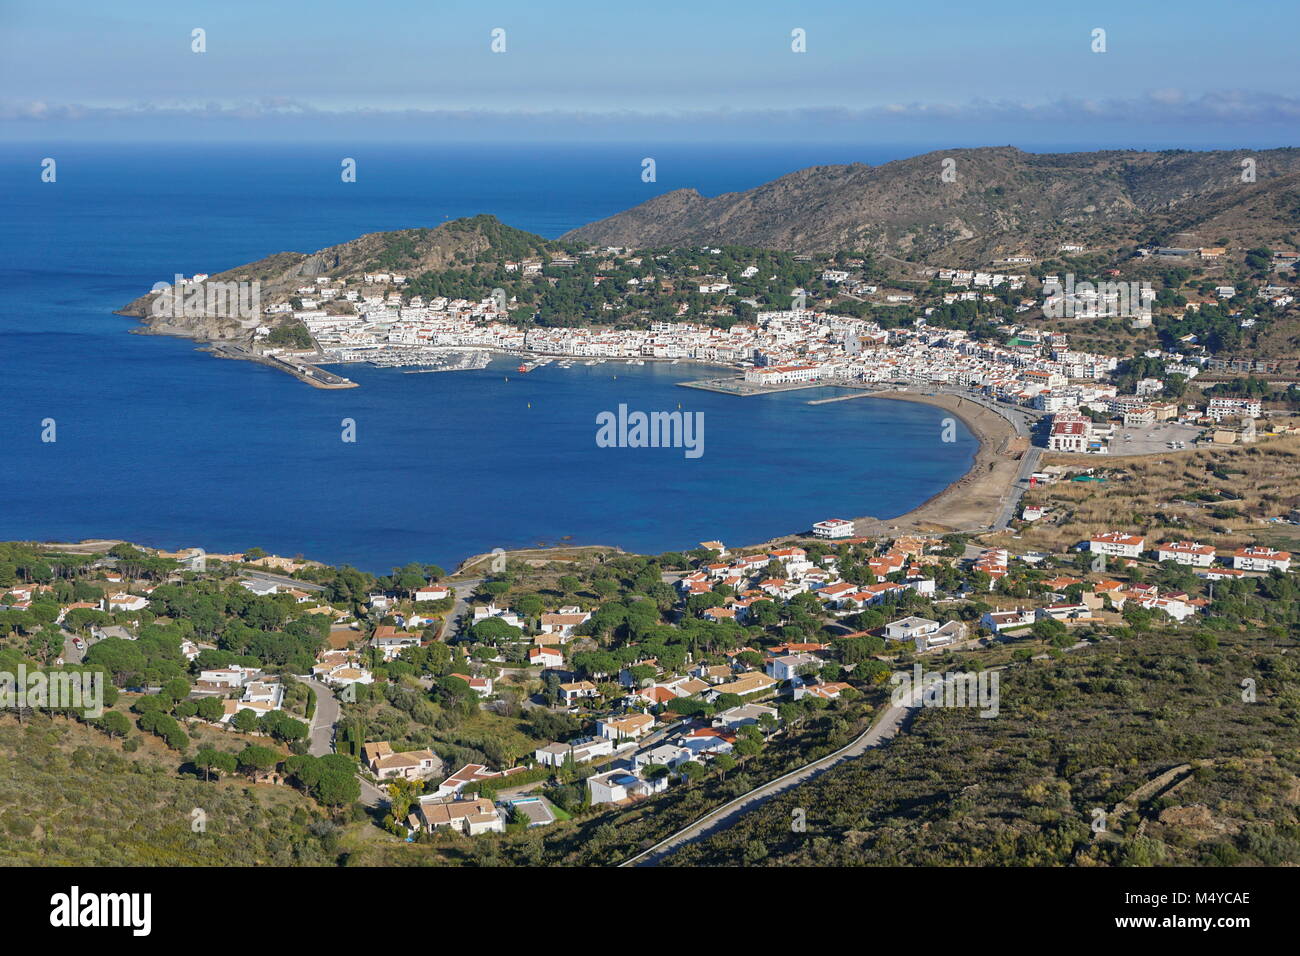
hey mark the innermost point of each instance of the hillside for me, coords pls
(1152, 730)
(407, 251)
(71, 797)
(1003, 202)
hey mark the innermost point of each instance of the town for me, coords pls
(556, 687)
(1003, 337)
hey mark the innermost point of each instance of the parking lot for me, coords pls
(1152, 439)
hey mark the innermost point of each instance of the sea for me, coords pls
(107, 434)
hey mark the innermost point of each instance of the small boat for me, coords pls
(523, 368)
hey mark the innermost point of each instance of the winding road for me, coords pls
(890, 722)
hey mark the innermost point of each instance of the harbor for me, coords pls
(296, 365)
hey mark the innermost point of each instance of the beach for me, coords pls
(976, 500)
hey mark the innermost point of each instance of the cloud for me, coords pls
(1229, 110)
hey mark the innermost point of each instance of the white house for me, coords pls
(618, 728)
(999, 621)
(126, 602)
(562, 624)
(787, 666)
(741, 715)
(1186, 552)
(471, 816)
(545, 657)
(619, 785)
(949, 633)
(1261, 559)
(910, 628)
(1116, 544)
(572, 693)
(833, 528)
(583, 749)
(670, 755)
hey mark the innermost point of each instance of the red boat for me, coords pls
(523, 368)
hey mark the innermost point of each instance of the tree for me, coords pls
(529, 605)
(209, 760)
(210, 709)
(245, 721)
(691, 771)
(253, 760)
(114, 723)
(723, 763)
(748, 748)
(176, 689)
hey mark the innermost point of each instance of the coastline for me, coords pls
(974, 501)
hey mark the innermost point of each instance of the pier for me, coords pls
(299, 368)
(737, 385)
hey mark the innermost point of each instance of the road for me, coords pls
(1028, 465)
(323, 722)
(462, 590)
(724, 816)
(280, 580)
(321, 738)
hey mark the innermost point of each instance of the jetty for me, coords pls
(299, 367)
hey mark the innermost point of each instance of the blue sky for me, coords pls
(1196, 73)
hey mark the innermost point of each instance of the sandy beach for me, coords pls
(972, 502)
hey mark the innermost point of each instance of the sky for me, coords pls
(1196, 74)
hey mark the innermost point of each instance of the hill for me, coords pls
(1151, 729)
(406, 251)
(1002, 202)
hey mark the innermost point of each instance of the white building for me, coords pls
(787, 667)
(619, 785)
(631, 726)
(1186, 552)
(833, 528)
(1116, 544)
(1221, 408)
(582, 750)
(910, 628)
(1261, 559)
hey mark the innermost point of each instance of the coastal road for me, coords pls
(1028, 465)
(724, 816)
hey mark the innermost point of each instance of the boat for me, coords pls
(523, 368)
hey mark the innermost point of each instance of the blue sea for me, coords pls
(164, 445)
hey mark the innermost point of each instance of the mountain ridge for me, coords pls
(1001, 201)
